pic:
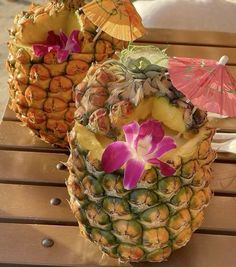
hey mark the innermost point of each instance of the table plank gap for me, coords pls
(37, 222)
(226, 158)
(207, 231)
(223, 194)
(34, 149)
(10, 119)
(12, 182)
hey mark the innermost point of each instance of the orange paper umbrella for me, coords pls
(207, 83)
(118, 18)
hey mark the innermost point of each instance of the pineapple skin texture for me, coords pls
(41, 89)
(150, 221)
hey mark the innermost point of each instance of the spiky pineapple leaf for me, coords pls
(136, 56)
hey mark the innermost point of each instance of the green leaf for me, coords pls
(137, 57)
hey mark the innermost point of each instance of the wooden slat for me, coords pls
(28, 167)
(10, 115)
(225, 125)
(207, 52)
(224, 178)
(70, 249)
(15, 133)
(219, 214)
(14, 136)
(21, 244)
(226, 157)
(24, 202)
(37, 168)
(189, 37)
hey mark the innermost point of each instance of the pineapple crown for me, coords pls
(71, 4)
(142, 72)
(120, 85)
(140, 57)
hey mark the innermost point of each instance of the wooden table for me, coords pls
(30, 182)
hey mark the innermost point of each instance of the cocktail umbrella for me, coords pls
(208, 84)
(118, 18)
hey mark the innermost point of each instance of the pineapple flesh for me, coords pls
(159, 216)
(41, 89)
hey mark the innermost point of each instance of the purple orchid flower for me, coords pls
(145, 143)
(60, 44)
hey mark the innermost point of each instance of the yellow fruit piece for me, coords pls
(143, 110)
(90, 141)
(168, 114)
(189, 148)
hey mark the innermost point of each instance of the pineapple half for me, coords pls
(41, 89)
(158, 216)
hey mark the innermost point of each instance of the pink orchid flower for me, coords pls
(60, 44)
(145, 143)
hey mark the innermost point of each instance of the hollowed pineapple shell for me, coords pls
(41, 89)
(160, 214)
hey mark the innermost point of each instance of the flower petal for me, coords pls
(73, 44)
(40, 50)
(131, 131)
(53, 43)
(150, 128)
(133, 171)
(165, 169)
(53, 48)
(62, 55)
(53, 39)
(115, 155)
(63, 39)
(166, 144)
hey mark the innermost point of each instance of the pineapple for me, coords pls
(41, 88)
(160, 214)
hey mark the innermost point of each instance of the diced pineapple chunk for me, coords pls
(189, 148)
(144, 109)
(90, 141)
(168, 114)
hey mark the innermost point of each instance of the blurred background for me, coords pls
(205, 15)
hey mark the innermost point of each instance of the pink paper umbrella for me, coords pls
(208, 84)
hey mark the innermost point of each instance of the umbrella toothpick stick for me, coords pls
(97, 35)
(223, 60)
